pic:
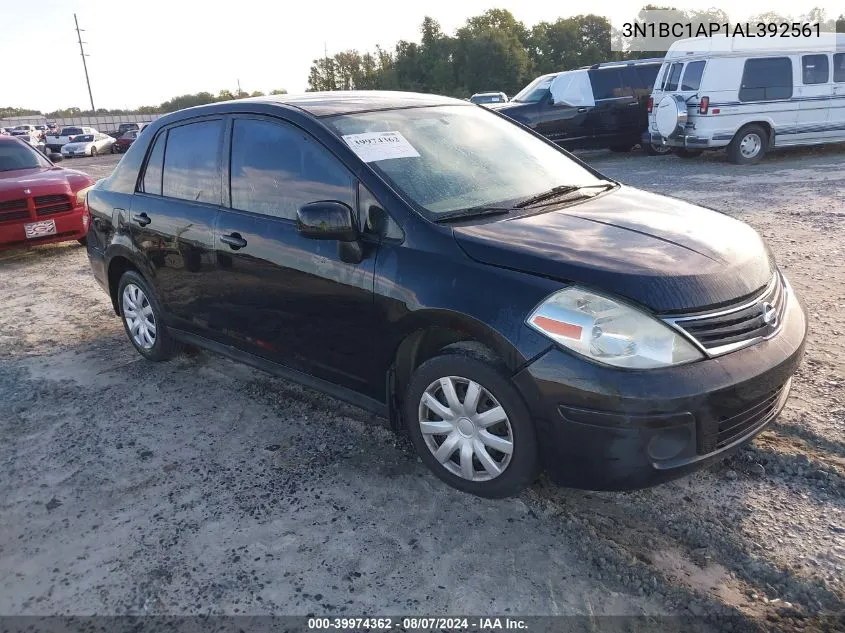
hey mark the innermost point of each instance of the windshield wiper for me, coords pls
(560, 190)
(472, 212)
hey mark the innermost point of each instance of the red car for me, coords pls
(40, 202)
(122, 144)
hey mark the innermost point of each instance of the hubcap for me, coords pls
(139, 316)
(750, 145)
(465, 428)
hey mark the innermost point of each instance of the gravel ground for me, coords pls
(203, 486)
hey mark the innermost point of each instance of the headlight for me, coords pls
(610, 332)
(82, 194)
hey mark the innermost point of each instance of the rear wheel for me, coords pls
(749, 145)
(93, 151)
(142, 318)
(688, 153)
(83, 241)
(470, 425)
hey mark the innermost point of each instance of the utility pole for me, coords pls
(84, 65)
(239, 87)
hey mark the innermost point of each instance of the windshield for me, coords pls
(70, 131)
(16, 155)
(85, 138)
(535, 91)
(447, 158)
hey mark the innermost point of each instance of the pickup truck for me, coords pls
(65, 136)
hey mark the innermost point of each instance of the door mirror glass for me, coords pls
(327, 220)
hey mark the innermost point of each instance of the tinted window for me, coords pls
(814, 69)
(191, 162)
(673, 77)
(839, 67)
(607, 83)
(766, 79)
(631, 82)
(69, 131)
(692, 76)
(15, 155)
(152, 176)
(277, 168)
(648, 74)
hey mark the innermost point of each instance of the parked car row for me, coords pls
(707, 93)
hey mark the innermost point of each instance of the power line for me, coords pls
(84, 65)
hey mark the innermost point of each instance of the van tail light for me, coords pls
(650, 104)
(704, 105)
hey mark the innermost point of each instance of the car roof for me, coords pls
(320, 104)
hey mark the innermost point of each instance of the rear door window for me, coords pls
(607, 84)
(766, 79)
(192, 162)
(692, 76)
(647, 74)
(839, 67)
(673, 77)
(814, 69)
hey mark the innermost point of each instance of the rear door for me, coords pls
(292, 300)
(172, 218)
(610, 122)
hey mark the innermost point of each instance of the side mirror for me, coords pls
(327, 220)
(56, 157)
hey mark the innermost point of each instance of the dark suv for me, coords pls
(603, 106)
(422, 257)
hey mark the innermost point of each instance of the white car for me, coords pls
(748, 96)
(88, 145)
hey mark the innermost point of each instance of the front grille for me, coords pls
(48, 205)
(734, 327)
(729, 423)
(13, 210)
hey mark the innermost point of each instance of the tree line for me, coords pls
(495, 51)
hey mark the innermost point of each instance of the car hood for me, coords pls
(40, 181)
(666, 254)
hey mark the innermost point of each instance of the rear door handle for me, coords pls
(582, 110)
(141, 218)
(234, 240)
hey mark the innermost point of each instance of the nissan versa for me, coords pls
(430, 260)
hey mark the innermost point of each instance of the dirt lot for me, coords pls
(203, 486)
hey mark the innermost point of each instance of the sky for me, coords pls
(143, 53)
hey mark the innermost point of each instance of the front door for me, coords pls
(293, 300)
(172, 218)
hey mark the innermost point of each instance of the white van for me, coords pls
(748, 96)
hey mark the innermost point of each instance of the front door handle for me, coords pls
(234, 240)
(141, 218)
(582, 109)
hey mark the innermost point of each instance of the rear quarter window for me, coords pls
(192, 162)
(692, 76)
(766, 79)
(839, 67)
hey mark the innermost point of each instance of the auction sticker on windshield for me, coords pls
(374, 146)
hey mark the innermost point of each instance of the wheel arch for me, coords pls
(118, 263)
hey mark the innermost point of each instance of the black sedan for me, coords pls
(506, 305)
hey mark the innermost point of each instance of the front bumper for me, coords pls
(603, 428)
(70, 225)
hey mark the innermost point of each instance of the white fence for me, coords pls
(102, 122)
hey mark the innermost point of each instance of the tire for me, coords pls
(163, 345)
(93, 151)
(749, 145)
(83, 241)
(620, 149)
(657, 150)
(513, 431)
(113, 149)
(688, 153)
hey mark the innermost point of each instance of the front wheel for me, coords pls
(93, 151)
(470, 425)
(142, 318)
